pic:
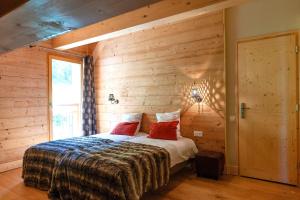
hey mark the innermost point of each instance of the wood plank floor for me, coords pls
(183, 186)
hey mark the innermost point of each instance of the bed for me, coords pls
(40, 160)
(104, 166)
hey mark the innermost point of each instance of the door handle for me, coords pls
(242, 110)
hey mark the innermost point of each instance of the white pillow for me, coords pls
(133, 117)
(169, 117)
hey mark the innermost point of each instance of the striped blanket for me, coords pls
(112, 171)
(40, 160)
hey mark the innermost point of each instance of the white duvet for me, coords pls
(118, 138)
(180, 150)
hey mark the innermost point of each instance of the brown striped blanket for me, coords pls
(112, 171)
(40, 160)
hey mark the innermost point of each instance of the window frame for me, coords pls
(76, 60)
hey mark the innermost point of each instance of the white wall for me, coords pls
(256, 17)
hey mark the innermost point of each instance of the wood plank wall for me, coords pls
(153, 71)
(23, 104)
(24, 101)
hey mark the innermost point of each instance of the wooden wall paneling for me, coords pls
(227, 167)
(23, 104)
(10, 165)
(24, 111)
(158, 14)
(153, 70)
(298, 101)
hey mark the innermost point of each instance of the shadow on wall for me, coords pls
(211, 118)
(211, 89)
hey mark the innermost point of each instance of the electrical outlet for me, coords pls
(198, 133)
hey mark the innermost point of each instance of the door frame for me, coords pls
(262, 37)
(62, 58)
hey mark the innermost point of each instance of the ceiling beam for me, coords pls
(9, 5)
(163, 12)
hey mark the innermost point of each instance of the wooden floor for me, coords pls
(184, 186)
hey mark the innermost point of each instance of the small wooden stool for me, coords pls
(210, 164)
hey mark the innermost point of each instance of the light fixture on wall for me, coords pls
(112, 99)
(196, 96)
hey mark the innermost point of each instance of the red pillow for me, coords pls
(164, 130)
(125, 128)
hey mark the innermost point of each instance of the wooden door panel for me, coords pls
(267, 83)
(267, 148)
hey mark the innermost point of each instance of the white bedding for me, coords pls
(180, 150)
(118, 138)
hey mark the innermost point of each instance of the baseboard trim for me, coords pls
(231, 170)
(10, 165)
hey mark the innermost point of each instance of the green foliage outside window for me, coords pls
(62, 73)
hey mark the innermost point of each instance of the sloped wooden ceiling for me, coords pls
(43, 19)
(9, 5)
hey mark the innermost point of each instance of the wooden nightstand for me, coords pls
(210, 164)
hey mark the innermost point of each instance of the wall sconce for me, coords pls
(112, 99)
(196, 96)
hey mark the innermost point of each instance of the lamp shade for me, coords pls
(111, 97)
(195, 92)
(196, 95)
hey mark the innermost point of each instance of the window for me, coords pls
(65, 97)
